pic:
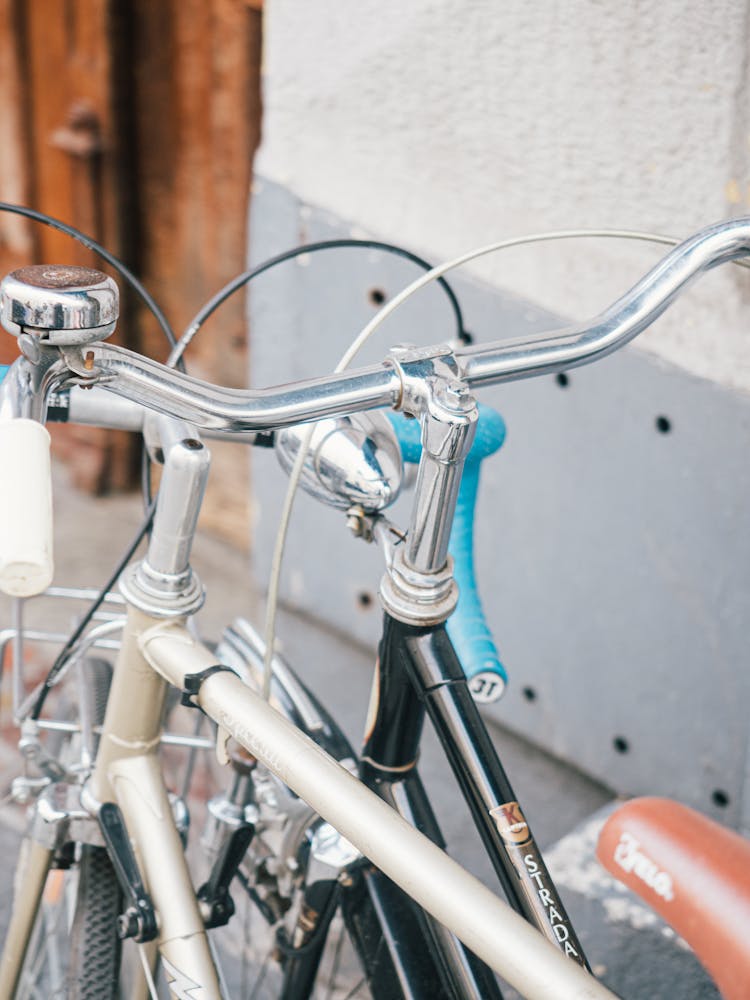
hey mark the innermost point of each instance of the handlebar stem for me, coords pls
(164, 584)
(448, 428)
(418, 587)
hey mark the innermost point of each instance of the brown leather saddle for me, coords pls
(695, 874)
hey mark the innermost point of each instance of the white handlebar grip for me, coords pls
(25, 508)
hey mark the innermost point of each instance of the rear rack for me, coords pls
(102, 635)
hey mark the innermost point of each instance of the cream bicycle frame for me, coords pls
(155, 652)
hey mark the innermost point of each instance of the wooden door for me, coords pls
(137, 123)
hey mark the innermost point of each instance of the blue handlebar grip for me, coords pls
(467, 626)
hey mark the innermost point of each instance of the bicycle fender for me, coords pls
(467, 626)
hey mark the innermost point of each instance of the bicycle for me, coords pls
(303, 837)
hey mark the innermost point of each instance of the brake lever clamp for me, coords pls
(30, 748)
(421, 370)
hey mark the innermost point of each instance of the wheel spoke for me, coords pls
(147, 972)
(355, 989)
(335, 966)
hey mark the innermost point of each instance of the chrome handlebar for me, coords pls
(214, 408)
(620, 323)
(237, 411)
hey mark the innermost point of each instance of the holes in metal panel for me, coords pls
(376, 296)
(562, 379)
(620, 744)
(663, 424)
(529, 693)
(364, 599)
(720, 798)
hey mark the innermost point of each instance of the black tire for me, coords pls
(95, 949)
(74, 951)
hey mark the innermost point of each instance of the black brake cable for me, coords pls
(242, 279)
(176, 361)
(62, 656)
(247, 276)
(114, 262)
(127, 275)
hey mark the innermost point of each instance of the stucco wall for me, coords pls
(453, 123)
(613, 559)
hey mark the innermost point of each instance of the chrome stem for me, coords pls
(448, 429)
(164, 583)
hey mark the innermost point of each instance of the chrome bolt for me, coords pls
(354, 524)
(454, 395)
(29, 347)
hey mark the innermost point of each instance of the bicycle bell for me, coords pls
(65, 305)
(354, 459)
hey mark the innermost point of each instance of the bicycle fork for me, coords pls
(28, 890)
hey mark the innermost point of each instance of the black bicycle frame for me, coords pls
(418, 672)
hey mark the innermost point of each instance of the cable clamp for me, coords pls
(193, 684)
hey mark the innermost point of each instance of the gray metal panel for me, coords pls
(614, 559)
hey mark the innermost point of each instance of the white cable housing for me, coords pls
(26, 565)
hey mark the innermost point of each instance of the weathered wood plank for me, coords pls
(137, 122)
(17, 245)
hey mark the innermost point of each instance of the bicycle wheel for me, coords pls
(257, 963)
(74, 951)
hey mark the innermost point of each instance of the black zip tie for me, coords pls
(193, 684)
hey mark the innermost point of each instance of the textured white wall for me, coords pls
(449, 123)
